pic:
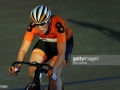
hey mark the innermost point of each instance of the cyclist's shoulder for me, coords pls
(56, 18)
(30, 27)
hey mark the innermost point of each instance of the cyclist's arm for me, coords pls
(60, 28)
(28, 37)
(61, 46)
(23, 50)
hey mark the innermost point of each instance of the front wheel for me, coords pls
(30, 86)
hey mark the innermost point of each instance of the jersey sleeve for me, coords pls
(29, 35)
(60, 29)
(61, 36)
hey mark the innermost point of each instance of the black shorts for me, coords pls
(50, 49)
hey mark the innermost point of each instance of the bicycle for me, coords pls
(36, 84)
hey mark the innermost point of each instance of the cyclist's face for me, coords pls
(42, 28)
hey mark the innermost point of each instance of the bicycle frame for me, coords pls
(39, 69)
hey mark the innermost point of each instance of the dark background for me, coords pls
(96, 29)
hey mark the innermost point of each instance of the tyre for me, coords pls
(30, 86)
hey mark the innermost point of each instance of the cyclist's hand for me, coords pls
(51, 75)
(14, 70)
(54, 76)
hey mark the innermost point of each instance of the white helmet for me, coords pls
(40, 14)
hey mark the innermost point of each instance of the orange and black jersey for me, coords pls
(58, 31)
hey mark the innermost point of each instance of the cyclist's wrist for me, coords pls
(53, 70)
(18, 65)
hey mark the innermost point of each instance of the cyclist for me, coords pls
(55, 43)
